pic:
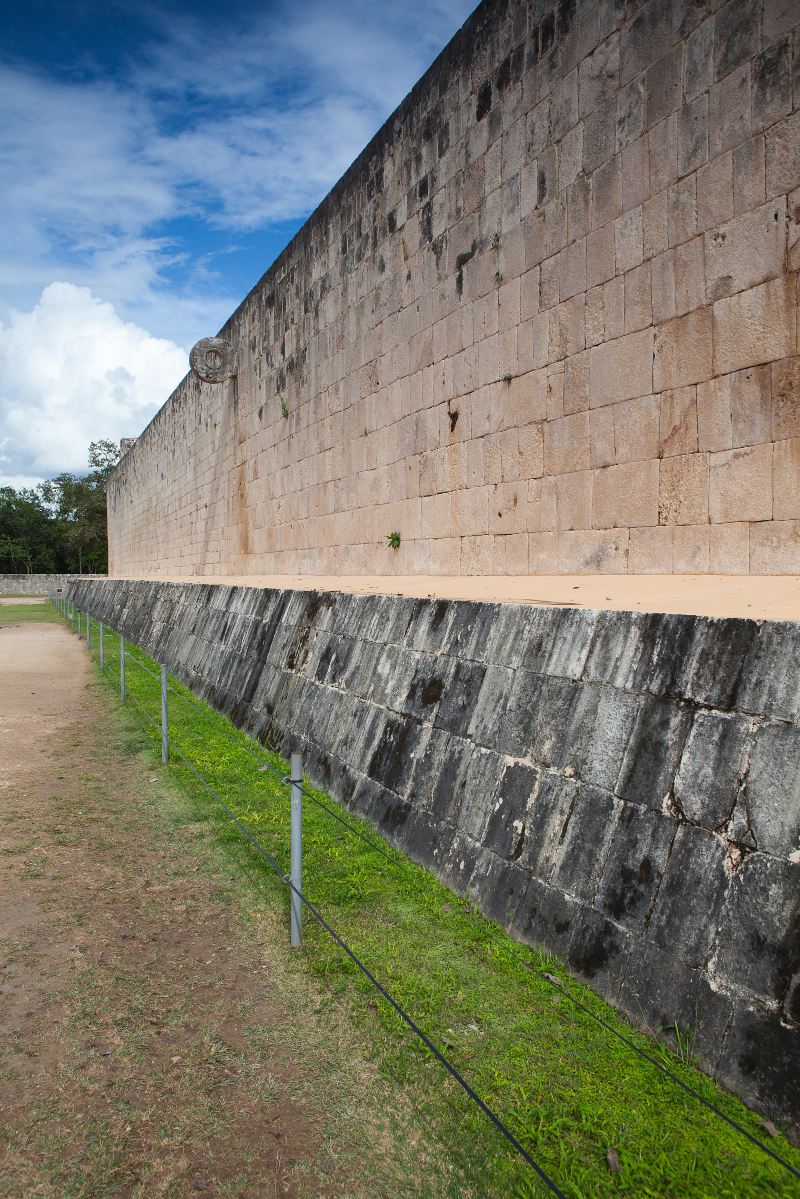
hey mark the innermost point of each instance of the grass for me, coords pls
(567, 1089)
(18, 613)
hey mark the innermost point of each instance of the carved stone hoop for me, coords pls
(213, 359)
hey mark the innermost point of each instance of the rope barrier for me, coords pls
(401, 1012)
(266, 764)
(551, 979)
(664, 1070)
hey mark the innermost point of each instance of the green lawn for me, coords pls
(17, 613)
(568, 1089)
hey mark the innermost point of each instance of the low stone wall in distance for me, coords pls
(34, 584)
(620, 787)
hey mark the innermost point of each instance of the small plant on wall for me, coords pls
(284, 409)
(393, 540)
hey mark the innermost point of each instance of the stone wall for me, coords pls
(33, 584)
(547, 322)
(623, 788)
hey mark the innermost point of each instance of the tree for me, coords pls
(61, 525)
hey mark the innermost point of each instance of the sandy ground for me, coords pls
(760, 597)
(8, 601)
(147, 1046)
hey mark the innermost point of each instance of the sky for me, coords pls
(155, 158)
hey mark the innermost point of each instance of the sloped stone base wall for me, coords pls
(619, 787)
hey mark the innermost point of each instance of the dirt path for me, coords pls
(147, 1046)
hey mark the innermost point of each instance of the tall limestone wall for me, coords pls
(623, 788)
(547, 322)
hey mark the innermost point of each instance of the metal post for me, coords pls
(102, 647)
(296, 875)
(164, 738)
(88, 631)
(78, 624)
(122, 667)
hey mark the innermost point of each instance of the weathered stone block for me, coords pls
(661, 991)
(712, 767)
(740, 484)
(653, 752)
(772, 789)
(759, 949)
(635, 864)
(694, 880)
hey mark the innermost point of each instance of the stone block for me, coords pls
(645, 39)
(546, 917)
(770, 679)
(652, 755)
(663, 147)
(580, 856)
(714, 660)
(690, 549)
(695, 880)
(651, 550)
(729, 549)
(636, 425)
(758, 948)
(772, 84)
(729, 112)
(712, 768)
(693, 135)
(599, 75)
(785, 399)
(614, 308)
(625, 496)
(574, 500)
(746, 251)
(638, 299)
(714, 414)
(755, 326)
(772, 789)
(683, 490)
(677, 422)
(737, 35)
(600, 256)
(635, 173)
(786, 479)
(749, 175)
(654, 224)
(682, 210)
(715, 192)
(601, 437)
(762, 1060)
(664, 86)
(621, 369)
(598, 951)
(566, 444)
(740, 485)
(630, 109)
(661, 992)
(682, 351)
(606, 192)
(751, 407)
(628, 240)
(584, 730)
(775, 547)
(506, 828)
(698, 60)
(634, 865)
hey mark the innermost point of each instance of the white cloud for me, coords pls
(234, 122)
(72, 371)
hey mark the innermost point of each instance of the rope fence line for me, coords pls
(317, 915)
(664, 1070)
(315, 912)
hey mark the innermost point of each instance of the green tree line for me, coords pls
(60, 526)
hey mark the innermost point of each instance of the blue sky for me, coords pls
(156, 157)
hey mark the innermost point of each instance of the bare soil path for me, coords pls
(149, 1042)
